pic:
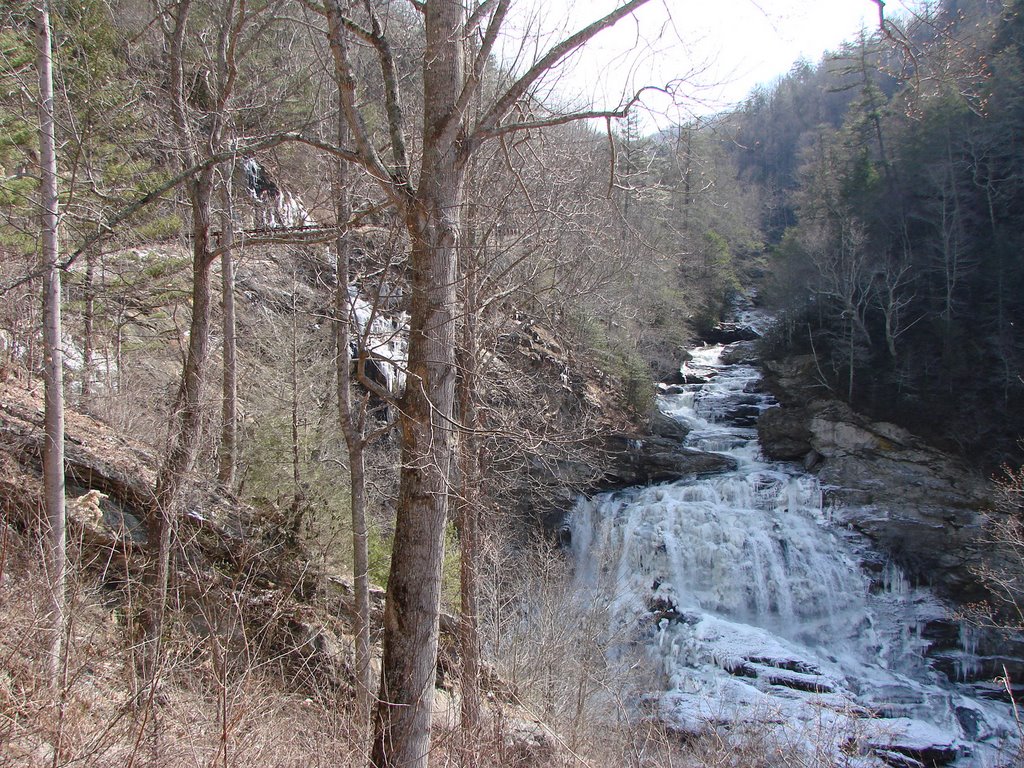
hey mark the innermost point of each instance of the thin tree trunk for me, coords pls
(354, 440)
(53, 458)
(468, 513)
(186, 424)
(229, 396)
(184, 437)
(88, 317)
(295, 519)
(350, 417)
(470, 551)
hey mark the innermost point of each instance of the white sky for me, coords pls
(721, 48)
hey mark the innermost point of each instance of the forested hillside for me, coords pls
(343, 270)
(891, 176)
(346, 311)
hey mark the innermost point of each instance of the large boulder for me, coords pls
(728, 333)
(662, 425)
(651, 459)
(784, 433)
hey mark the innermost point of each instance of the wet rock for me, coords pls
(652, 459)
(671, 389)
(743, 352)
(728, 333)
(784, 433)
(923, 507)
(920, 505)
(915, 739)
(662, 425)
(742, 415)
(810, 681)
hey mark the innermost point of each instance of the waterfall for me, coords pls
(751, 606)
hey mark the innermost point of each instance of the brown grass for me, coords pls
(204, 714)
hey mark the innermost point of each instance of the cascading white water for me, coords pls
(751, 607)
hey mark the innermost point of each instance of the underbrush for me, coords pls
(563, 695)
(206, 712)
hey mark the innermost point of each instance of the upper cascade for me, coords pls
(276, 208)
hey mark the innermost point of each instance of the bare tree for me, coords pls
(894, 298)
(196, 143)
(228, 449)
(430, 204)
(53, 460)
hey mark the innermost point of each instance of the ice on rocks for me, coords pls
(752, 607)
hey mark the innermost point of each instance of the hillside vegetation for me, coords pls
(351, 312)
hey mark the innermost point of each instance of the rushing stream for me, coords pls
(755, 614)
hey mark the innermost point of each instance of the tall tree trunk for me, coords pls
(412, 609)
(186, 420)
(431, 214)
(350, 417)
(468, 502)
(53, 456)
(227, 459)
(185, 430)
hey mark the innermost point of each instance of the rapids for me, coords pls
(752, 613)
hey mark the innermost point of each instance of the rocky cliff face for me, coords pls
(923, 508)
(585, 440)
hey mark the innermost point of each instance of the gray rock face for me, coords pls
(922, 506)
(661, 425)
(728, 333)
(653, 459)
(784, 433)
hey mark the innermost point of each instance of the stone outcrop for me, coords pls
(652, 459)
(785, 433)
(730, 332)
(662, 425)
(922, 507)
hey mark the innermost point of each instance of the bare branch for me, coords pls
(478, 15)
(607, 114)
(489, 122)
(395, 182)
(392, 94)
(472, 84)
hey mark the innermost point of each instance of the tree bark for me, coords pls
(412, 609)
(227, 459)
(186, 419)
(185, 430)
(53, 458)
(431, 212)
(468, 501)
(88, 318)
(350, 418)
